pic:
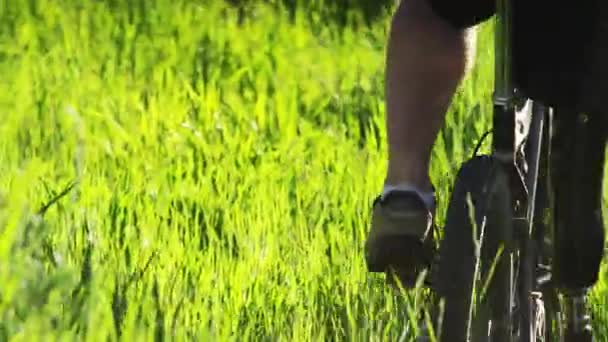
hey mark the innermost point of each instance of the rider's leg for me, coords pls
(425, 62)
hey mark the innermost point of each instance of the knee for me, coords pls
(451, 46)
(414, 11)
(417, 18)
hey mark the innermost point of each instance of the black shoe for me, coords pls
(401, 240)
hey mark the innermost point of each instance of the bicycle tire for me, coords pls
(464, 266)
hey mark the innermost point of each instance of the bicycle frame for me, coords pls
(504, 92)
(511, 112)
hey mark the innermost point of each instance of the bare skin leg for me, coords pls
(426, 59)
(425, 62)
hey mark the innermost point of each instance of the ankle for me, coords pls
(417, 180)
(427, 196)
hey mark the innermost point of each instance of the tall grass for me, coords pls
(224, 166)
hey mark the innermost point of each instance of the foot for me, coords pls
(400, 241)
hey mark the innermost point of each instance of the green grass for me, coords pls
(224, 172)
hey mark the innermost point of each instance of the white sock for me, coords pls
(428, 197)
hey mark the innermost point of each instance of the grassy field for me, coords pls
(223, 169)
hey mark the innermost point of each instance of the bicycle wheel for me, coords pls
(475, 269)
(544, 321)
(547, 316)
(542, 302)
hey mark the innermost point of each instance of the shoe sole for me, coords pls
(402, 256)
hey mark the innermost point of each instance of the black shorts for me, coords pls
(554, 43)
(464, 13)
